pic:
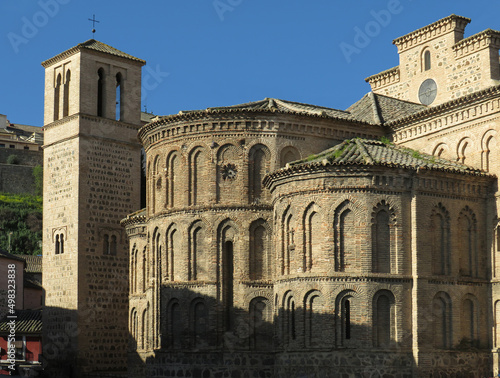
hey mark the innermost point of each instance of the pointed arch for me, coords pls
(288, 154)
(259, 164)
(311, 228)
(384, 319)
(441, 315)
(197, 170)
(313, 326)
(442, 150)
(261, 331)
(57, 95)
(227, 243)
(175, 325)
(383, 238)
(199, 323)
(260, 250)
(172, 169)
(344, 314)
(172, 248)
(469, 321)
(198, 247)
(289, 326)
(439, 239)
(66, 93)
(287, 240)
(344, 239)
(467, 243)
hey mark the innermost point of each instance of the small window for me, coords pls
(427, 60)
(12, 146)
(2, 145)
(26, 148)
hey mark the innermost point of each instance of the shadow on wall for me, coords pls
(202, 338)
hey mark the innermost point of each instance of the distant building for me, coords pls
(27, 311)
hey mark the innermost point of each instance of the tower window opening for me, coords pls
(100, 93)
(118, 114)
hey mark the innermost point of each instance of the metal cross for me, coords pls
(93, 23)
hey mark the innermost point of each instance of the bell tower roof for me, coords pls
(92, 45)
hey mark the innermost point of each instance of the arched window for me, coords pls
(384, 319)
(228, 171)
(62, 242)
(344, 239)
(197, 269)
(467, 243)
(313, 325)
(259, 165)
(58, 245)
(287, 241)
(427, 60)
(226, 238)
(441, 315)
(145, 329)
(144, 269)
(134, 332)
(439, 238)
(173, 174)
(261, 331)
(197, 170)
(199, 321)
(66, 94)
(344, 306)
(289, 326)
(119, 96)
(100, 93)
(260, 256)
(311, 235)
(57, 94)
(289, 154)
(469, 322)
(172, 247)
(174, 325)
(383, 236)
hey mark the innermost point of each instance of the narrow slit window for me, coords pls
(427, 60)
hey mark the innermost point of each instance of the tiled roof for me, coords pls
(377, 153)
(27, 322)
(33, 263)
(378, 109)
(274, 104)
(92, 44)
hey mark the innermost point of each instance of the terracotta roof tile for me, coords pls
(373, 152)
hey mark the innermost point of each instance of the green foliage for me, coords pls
(38, 177)
(385, 140)
(21, 221)
(416, 154)
(12, 159)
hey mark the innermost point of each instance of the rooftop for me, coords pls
(364, 152)
(94, 45)
(27, 322)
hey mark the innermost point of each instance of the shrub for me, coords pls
(12, 159)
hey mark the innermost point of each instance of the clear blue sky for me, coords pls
(204, 53)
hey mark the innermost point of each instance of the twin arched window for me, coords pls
(101, 94)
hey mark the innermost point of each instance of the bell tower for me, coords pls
(91, 182)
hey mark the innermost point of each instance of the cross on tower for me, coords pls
(93, 23)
